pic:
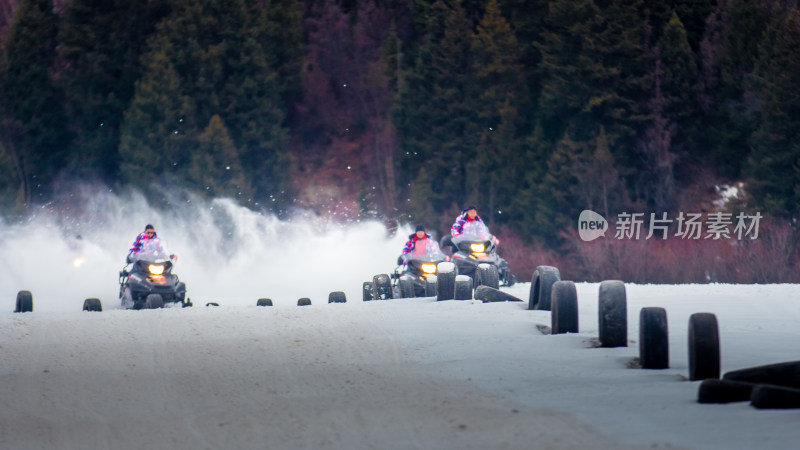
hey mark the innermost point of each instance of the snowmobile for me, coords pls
(410, 278)
(150, 283)
(474, 247)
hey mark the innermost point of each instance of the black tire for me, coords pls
(305, 301)
(703, 346)
(767, 396)
(653, 338)
(24, 302)
(613, 314)
(153, 301)
(337, 297)
(487, 275)
(381, 287)
(564, 318)
(431, 286)
(487, 294)
(446, 282)
(92, 304)
(463, 288)
(785, 374)
(406, 287)
(541, 287)
(212, 304)
(366, 291)
(264, 302)
(712, 390)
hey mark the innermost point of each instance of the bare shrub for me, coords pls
(771, 258)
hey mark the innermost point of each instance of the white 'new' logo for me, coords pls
(591, 225)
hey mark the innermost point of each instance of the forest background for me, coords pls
(407, 110)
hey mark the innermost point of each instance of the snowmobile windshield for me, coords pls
(153, 250)
(425, 250)
(475, 231)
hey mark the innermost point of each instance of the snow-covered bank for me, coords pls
(409, 373)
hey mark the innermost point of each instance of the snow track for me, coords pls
(330, 377)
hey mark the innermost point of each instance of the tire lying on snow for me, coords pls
(767, 396)
(305, 301)
(366, 290)
(564, 318)
(153, 301)
(337, 297)
(487, 294)
(381, 287)
(785, 374)
(406, 286)
(612, 314)
(92, 304)
(703, 346)
(541, 287)
(431, 284)
(724, 391)
(653, 338)
(446, 281)
(24, 302)
(487, 275)
(463, 287)
(264, 302)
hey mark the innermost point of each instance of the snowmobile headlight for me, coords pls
(156, 269)
(477, 248)
(428, 268)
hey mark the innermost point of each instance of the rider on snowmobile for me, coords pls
(468, 215)
(148, 233)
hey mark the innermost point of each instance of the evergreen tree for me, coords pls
(420, 193)
(623, 80)
(526, 18)
(156, 138)
(213, 51)
(774, 165)
(215, 167)
(566, 64)
(534, 152)
(607, 188)
(435, 112)
(560, 203)
(692, 13)
(496, 66)
(32, 103)
(734, 90)
(101, 42)
(500, 87)
(656, 181)
(679, 85)
(279, 30)
(595, 71)
(595, 82)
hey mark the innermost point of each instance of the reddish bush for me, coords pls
(771, 258)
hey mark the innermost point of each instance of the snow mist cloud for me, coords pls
(226, 253)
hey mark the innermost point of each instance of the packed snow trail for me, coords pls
(311, 377)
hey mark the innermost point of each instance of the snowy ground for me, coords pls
(400, 374)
